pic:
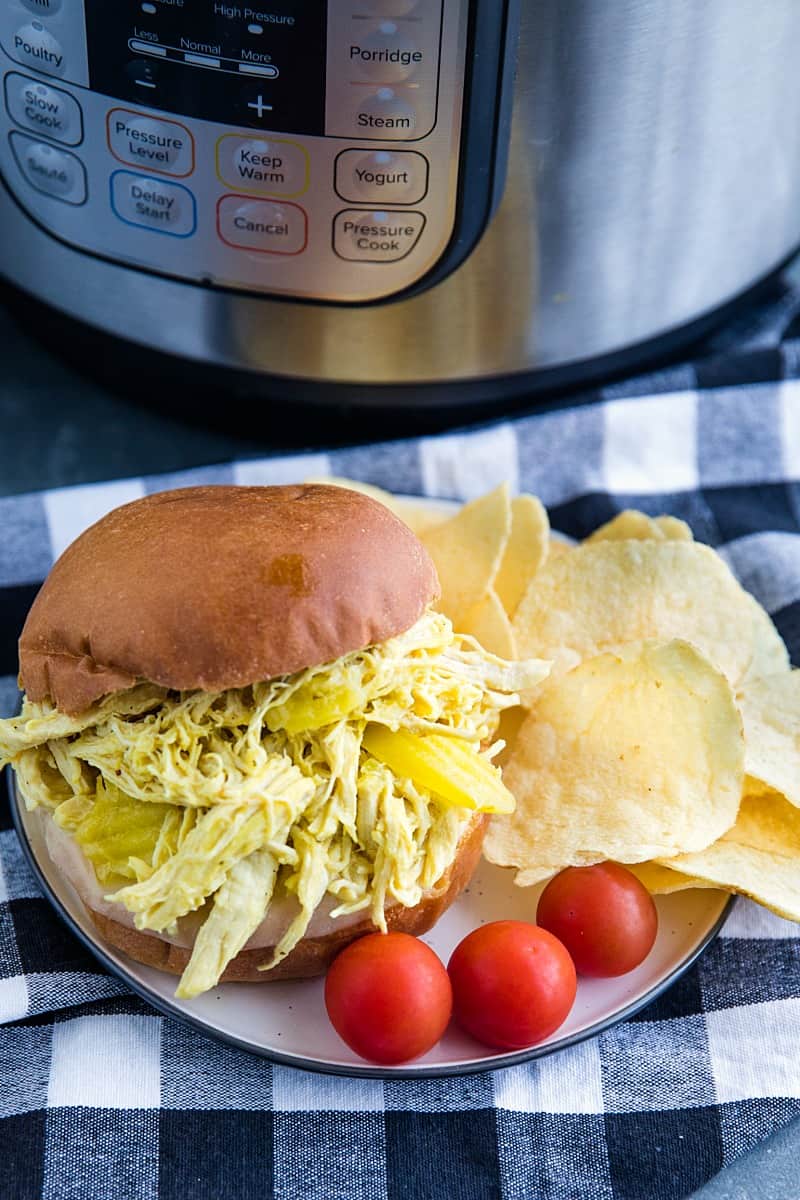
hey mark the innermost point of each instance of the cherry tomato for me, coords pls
(388, 997)
(604, 916)
(513, 984)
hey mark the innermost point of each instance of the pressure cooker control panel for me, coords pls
(311, 148)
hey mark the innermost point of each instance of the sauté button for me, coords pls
(375, 236)
(382, 176)
(266, 226)
(150, 142)
(44, 109)
(55, 172)
(153, 204)
(265, 165)
(36, 47)
(387, 54)
(386, 115)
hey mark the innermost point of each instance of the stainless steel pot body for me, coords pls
(654, 174)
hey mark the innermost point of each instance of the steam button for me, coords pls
(153, 204)
(375, 236)
(386, 115)
(36, 47)
(44, 109)
(55, 172)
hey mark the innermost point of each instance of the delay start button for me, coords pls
(375, 236)
(265, 226)
(153, 204)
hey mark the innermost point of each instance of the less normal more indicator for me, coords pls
(206, 55)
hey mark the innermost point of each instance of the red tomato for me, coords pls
(388, 997)
(513, 984)
(604, 916)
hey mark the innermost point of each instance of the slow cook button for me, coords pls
(379, 237)
(55, 172)
(43, 108)
(268, 227)
(150, 143)
(36, 47)
(154, 204)
(266, 165)
(382, 176)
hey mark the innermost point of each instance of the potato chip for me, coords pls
(467, 551)
(759, 857)
(631, 756)
(661, 881)
(558, 546)
(632, 524)
(489, 623)
(771, 713)
(525, 552)
(605, 594)
(770, 656)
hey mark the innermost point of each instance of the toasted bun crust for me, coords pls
(312, 955)
(219, 587)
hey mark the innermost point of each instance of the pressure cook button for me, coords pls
(266, 226)
(55, 172)
(44, 109)
(36, 47)
(387, 54)
(269, 166)
(375, 236)
(386, 115)
(150, 142)
(154, 204)
(382, 176)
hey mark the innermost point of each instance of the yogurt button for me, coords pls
(44, 109)
(382, 176)
(36, 47)
(266, 226)
(55, 172)
(387, 115)
(153, 204)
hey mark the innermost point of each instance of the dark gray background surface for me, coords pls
(60, 427)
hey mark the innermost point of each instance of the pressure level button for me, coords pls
(150, 142)
(382, 176)
(376, 236)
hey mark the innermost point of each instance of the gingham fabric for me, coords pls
(102, 1098)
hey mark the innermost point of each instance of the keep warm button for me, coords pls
(376, 236)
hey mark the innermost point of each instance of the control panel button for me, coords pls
(391, 8)
(45, 109)
(387, 54)
(266, 226)
(386, 115)
(150, 142)
(382, 176)
(376, 236)
(36, 47)
(153, 204)
(264, 165)
(55, 172)
(44, 8)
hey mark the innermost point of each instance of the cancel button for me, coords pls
(376, 236)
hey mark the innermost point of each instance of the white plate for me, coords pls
(286, 1022)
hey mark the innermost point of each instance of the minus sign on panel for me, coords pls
(147, 48)
(253, 69)
(202, 60)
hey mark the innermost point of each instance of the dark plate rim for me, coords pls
(440, 1070)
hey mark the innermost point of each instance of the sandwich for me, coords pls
(250, 735)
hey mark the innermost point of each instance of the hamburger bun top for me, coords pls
(217, 587)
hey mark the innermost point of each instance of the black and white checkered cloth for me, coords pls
(103, 1099)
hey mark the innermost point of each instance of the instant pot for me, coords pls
(410, 199)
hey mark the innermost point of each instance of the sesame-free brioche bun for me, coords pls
(322, 941)
(217, 587)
